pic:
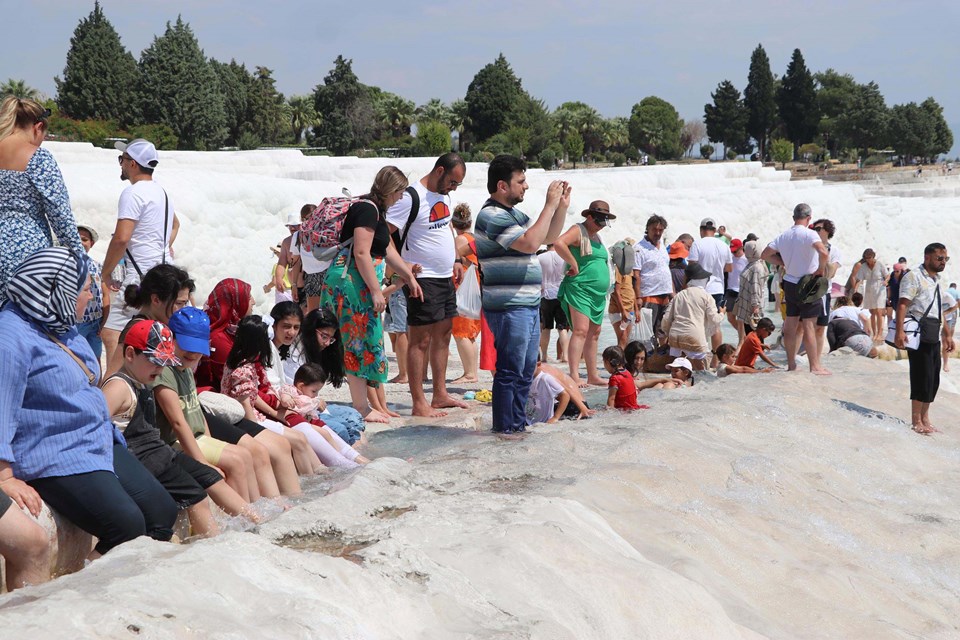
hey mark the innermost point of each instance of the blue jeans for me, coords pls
(516, 336)
(345, 421)
(91, 331)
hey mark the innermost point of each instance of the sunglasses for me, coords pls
(122, 157)
(817, 228)
(942, 258)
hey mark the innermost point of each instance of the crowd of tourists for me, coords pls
(125, 401)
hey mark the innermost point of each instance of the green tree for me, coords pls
(573, 146)
(302, 116)
(459, 121)
(491, 98)
(519, 138)
(797, 99)
(781, 151)
(180, 89)
(531, 115)
(706, 150)
(655, 127)
(864, 123)
(835, 96)
(434, 110)
(18, 89)
(100, 77)
(726, 118)
(617, 133)
(397, 114)
(234, 81)
(268, 115)
(346, 107)
(433, 138)
(759, 99)
(942, 139)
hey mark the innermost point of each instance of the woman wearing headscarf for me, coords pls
(56, 438)
(33, 197)
(753, 288)
(691, 317)
(226, 305)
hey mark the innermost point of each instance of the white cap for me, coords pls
(681, 363)
(293, 219)
(142, 151)
(708, 223)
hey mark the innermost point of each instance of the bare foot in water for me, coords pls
(447, 402)
(821, 372)
(597, 382)
(376, 416)
(398, 380)
(923, 429)
(468, 379)
(426, 411)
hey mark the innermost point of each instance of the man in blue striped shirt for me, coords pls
(507, 244)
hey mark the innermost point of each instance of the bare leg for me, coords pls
(821, 340)
(304, 458)
(201, 519)
(399, 341)
(791, 328)
(26, 548)
(237, 465)
(313, 302)
(545, 345)
(281, 459)
(620, 333)
(231, 502)
(358, 396)
(563, 339)
(266, 479)
(590, 355)
(378, 400)
(715, 341)
(440, 334)
(809, 328)
(946, 358)
(919, 417)
(581, 326)
(467, 348)
(417, 349)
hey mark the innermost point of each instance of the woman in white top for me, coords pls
(849, 309)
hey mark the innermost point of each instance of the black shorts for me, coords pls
(186, 480)
(731, 297)
(720, 299)
(795, 308)
(552, 315)
(439, 302)
(5, 503)
(222, 429)
(824, 318)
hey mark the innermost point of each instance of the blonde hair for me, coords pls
(389, 180)
(19, 113)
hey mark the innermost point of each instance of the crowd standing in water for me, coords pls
(122, 403)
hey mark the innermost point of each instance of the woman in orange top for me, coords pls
(466, 330)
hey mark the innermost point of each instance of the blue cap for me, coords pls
(191, 328)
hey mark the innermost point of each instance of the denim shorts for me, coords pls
(396, 320)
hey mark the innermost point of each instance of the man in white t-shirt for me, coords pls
(427, 239)
(147, 225)
(800, 252)
(313, 270)
(713, 254)
(552, 315)
(652, 281)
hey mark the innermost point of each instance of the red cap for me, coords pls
(735, 245)
(155, 340)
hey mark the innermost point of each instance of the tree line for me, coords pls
(180, 99)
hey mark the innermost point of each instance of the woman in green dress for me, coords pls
(583, 292)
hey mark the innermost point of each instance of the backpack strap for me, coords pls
(414, 210)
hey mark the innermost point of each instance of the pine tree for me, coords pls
(942, 139)
(267, 114)
(726, 118)
(100, 78)
(180, 89)
(491, 98)
(342, 102)
(797, 99)
(759, 99)
(234, 82)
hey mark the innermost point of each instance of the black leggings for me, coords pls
(114, 508)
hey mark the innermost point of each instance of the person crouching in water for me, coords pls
(691, 317)
(622, 391)
(148, 347)
(726, 354)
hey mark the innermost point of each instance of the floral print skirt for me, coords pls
(361, 328)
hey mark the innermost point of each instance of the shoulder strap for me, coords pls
(414, 210)
(91, 378)
(166, 218)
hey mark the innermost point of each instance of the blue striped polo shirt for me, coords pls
(510, 278)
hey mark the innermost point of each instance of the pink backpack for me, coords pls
(320, 233)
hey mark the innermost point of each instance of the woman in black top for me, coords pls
(352, 288)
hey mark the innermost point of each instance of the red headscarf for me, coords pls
(227, 304)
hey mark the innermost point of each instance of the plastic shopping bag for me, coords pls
(468, 295)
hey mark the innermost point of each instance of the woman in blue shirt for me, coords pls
(56, 437)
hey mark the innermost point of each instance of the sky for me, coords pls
(607, 53)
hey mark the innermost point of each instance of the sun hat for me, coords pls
(93, 232)
(599, 207)
(735, 245)
(142, 151)
(708, 223)
(154, 340)
(191, 329)
(681, 363)
(678, 250)
(695, 272)
(293, 219)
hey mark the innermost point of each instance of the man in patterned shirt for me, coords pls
(507, 242)
(98, 308)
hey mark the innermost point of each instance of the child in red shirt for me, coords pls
(622, 392)
(753, 346)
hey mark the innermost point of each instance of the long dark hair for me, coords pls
(164, 281)
(331, 358)
(250, 344)
(283, 310)
(630, 354)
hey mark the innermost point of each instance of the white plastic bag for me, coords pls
(644, 331)
(468, 295)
